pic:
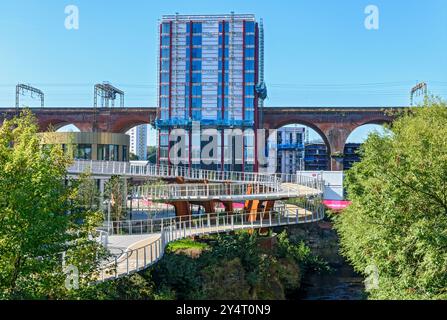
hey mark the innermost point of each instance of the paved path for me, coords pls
(142, 251)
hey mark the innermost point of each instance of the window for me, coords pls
(197, 28)
(249, 103)
(164, 102)
(84, 152)
(164, 78)
(164, 90)
(165, 40)
(249, 77)
(249, 138)
(163, 152)
(249, 65)
(249, 26)
(196, 77)
(165, 65)
(103, 152)
(196, 102)
(299, 138)
(249, 115)
(113, 152)
(196, 65)
(250, 52)
(165, 28)
(164, 137)
(227, 27)
(164, 114)
(279, 137)
(249, 40)
(196, 40)
(197, 90)
(197, 52)
(165, 52)
(249, 90)
(125, 154)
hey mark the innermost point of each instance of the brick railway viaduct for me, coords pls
(334, 124)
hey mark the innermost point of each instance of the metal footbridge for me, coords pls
(142, 243)
(215, 185)
(139, 244)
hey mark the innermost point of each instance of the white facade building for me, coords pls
(290, 149)
(138, 141)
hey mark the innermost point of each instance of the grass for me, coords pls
(186, 244)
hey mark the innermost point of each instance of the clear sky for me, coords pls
(317, 53)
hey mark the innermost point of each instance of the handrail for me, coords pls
(205, 191)
(166, 171)
(154, 225)
(314, 183)
(234, 191)
(171, 229)
(266, 183)
(126, 168)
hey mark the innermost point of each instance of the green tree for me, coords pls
(40, 217)
(133, 157)
(396, 226)
(225, 281)
(115, 192)
(178, 273)
(152, 154)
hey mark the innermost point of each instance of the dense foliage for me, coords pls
(397, 223)
(46, 220)
(234, 267)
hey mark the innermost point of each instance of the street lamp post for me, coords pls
(108, 214)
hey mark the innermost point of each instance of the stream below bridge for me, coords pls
(342, 282)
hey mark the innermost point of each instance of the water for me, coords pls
(340, 284)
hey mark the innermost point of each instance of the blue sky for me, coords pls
(317, 53)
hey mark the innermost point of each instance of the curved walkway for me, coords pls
(111, 168)
(145, 249)
(225, 186)
(142, 243)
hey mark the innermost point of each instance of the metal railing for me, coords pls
(153, 226)
(310, 182)
(171, 229)
(165, 171)
(208, 191)
(102, 237)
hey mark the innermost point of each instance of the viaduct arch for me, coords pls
(334, 124)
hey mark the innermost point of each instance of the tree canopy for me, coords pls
(45, 224)
(397, 223)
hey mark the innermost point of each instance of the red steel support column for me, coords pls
(170, 69)
(169, 149)
(223, 94)
(256, 126)
(158, 153)
(190, 149)
(243, 95)
(222, 149)
(190, 91)
(159, 94)
(170, 88)
(190, 69)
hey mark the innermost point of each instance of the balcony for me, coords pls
(290, 146)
